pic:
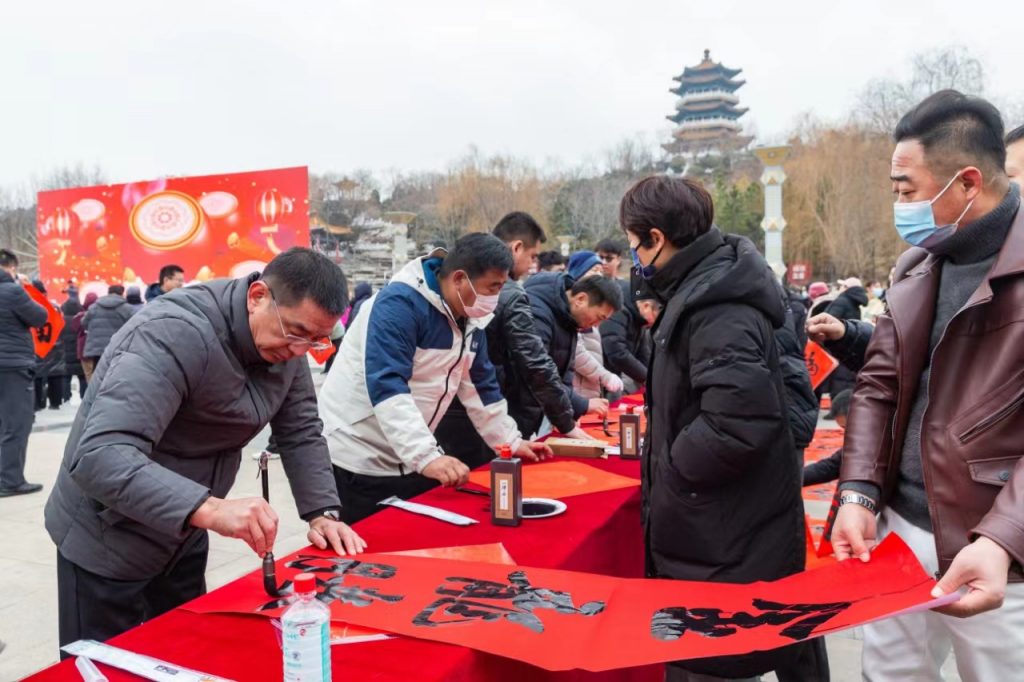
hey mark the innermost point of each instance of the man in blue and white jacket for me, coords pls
(417, 344)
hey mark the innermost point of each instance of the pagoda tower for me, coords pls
(706, 114)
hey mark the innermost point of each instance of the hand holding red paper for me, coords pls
(982, 568)
(824, 327)
(854, 532)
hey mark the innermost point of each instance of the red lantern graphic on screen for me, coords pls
(272, 207)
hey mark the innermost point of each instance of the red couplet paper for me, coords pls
(561, 620)
(560, 479)
(45, 337)
(819, 363)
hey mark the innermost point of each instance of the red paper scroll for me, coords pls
(560, 620)
(45, 337)
(819, 363)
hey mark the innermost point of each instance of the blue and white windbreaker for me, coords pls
(398, 369)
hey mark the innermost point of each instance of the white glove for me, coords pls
(612, 383)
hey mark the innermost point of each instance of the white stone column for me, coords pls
(773, 223)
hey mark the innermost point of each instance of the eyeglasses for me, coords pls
(293, 340)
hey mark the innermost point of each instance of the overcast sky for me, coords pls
(191, 87)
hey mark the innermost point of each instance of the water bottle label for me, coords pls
(307, 652)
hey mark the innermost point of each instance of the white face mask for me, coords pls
(482, 307)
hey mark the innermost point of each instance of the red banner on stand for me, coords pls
(560, 620)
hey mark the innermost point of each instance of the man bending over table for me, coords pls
(181, 389)
(418, 344)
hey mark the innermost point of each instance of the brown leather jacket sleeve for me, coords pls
(868, 441)
(1003, 523)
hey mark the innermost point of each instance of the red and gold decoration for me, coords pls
(212, 226)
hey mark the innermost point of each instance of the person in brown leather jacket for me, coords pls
(935, 426)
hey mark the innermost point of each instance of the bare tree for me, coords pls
(883, 101)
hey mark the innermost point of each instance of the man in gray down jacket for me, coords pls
(157, 442)
(18, 313)
(100, 323)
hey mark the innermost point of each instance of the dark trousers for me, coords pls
(360, 494)
(90, 606)
(82, 384)
(17, 398)
(458, 437)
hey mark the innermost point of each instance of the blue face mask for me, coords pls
(915, 220)
(644, 271)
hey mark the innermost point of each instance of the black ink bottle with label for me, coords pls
(506, 488)
(629, 435)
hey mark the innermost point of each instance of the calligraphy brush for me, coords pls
(461, 489)
(604, 420)
(269, 568)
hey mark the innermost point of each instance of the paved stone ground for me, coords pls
(28, 603)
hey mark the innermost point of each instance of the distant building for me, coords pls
(707, 114)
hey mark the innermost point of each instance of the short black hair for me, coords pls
(1015, 135)
(477, 254)
(610, 246)
(840, 404)
(169, 271)
(680, 207)
(956, 130)
(599, 290)
(7, 259)
(519, 226)
(116, 289)
(301, 273)
(545, 259)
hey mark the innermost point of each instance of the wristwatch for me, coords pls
(332, 514)
(857, 498)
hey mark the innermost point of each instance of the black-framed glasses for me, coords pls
(320, 344)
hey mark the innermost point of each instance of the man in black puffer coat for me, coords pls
(721, 480)
(560, 307)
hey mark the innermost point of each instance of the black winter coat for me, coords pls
(721, 478)
(847, 304)
(557, 331)
(18, 312)
(622, 343)
(851, 349)
(801, 402)
(522, 361)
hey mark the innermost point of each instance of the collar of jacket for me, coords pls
(983, 237)
(237, 314)
(421, 274)
(1009, 261)
(667, 278)
(5, 277)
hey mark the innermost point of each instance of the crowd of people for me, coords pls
(495, 342)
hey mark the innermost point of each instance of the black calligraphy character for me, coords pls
(671, 623)
(468, 602)
(334, 589)
(44, 334)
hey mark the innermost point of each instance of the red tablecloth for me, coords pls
(599, 533)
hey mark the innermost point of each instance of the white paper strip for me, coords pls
(427, 510)
(143, 666)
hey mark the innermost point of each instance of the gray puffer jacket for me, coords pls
(102, 321)
(18, 312)
(178, 394)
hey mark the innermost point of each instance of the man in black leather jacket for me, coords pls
(512, 341)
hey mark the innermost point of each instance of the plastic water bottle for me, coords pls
(306, 635)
